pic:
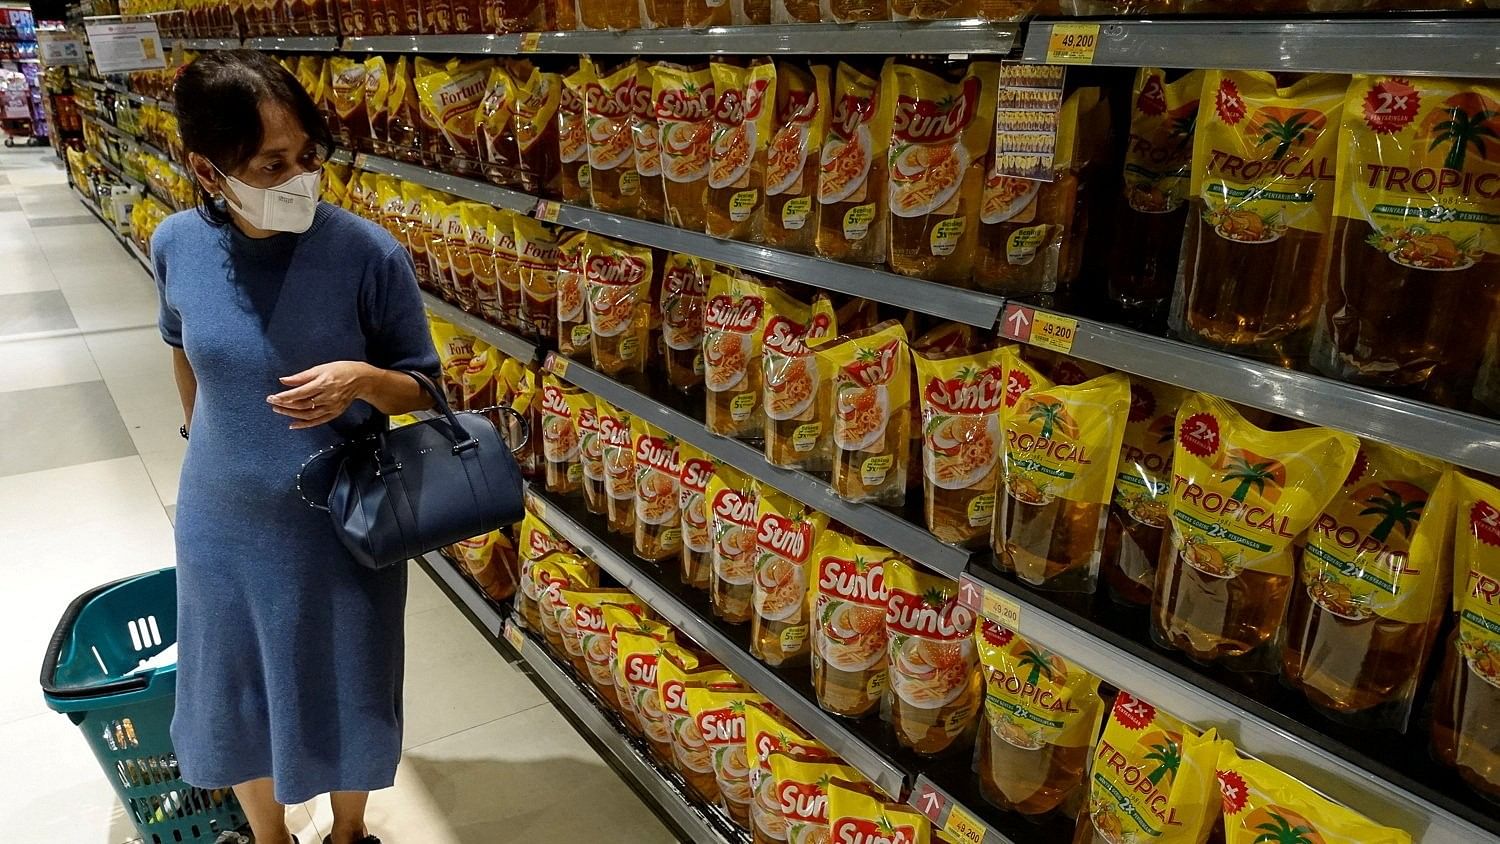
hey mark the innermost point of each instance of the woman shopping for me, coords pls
(292, 325)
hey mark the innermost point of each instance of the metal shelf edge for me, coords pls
(298, 43)
(804, 712)
(1340, 779)
(476, 603)
(448, 183)
(642, 770)
(923, 786)
(884, 527)
(1391, 44)
(515, 346)
(1461, 438)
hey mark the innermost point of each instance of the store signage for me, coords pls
(60, 48)
(121, 47)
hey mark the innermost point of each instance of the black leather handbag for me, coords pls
(400, 493)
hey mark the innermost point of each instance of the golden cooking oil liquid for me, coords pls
(1057, 545)
(852, 694)
(1466, 723)
(1131, 549)
(1030, 782)
(931, 732)
(1211, 618)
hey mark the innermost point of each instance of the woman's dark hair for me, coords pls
(218, 100)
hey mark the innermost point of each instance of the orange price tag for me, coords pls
(963, 827)
(514, 636)
(557, 365)
(547, 210)
(1051, 331)
(998, 607)
(530, 41)
(1073, 43)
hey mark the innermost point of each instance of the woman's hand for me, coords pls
(322, 394)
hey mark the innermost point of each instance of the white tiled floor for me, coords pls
(487, 758)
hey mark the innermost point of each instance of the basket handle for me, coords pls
(60, 637)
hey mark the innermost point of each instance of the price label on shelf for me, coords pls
(1051, 331)
(547, 210)
(963, 827)
(931, 802)
(514, 636)
(1073, 43)
(530, 41)
(557, 364)
(998, 607)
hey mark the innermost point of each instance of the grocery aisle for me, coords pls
(88, 486)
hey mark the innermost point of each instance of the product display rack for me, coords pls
(93, 208)
(1393, 44)
(661, 788)
(514, 345)
(448, 183)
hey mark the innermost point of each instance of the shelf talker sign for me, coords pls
(121, 47)
(60, 48)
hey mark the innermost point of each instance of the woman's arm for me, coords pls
(322, 394)
(187, 384)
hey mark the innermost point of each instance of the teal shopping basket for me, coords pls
(88, 674)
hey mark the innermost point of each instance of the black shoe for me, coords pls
(368, 839)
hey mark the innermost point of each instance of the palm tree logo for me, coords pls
(1167, 754)
(1048, 415)
(1462, 129)
(1040, 664)
(1287, 130)
(1279, 830)
(1399, 505)
(1252, 472)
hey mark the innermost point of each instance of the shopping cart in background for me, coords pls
(15, 108)
(93, 673)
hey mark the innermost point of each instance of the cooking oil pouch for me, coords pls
(549, 577)
(560, 444)
(638, 655)
(1252, 269)
(1062, 449)
(452, 95)
(534, 114)
(412, 196)
(849, 634)
(744, 103)
(575, 338)
(646, 137)
(619, 466)
(478, 379)
(766, 733)
(697, 468)
(658, 517)
(799, 124)
(427, 231)
(854, 814)
(377, 100)
(795, 11)
(961, 398)
(489, 559)
(614, 183)
(537, 257)
(572, 134)
(1151, 778)
(852, 165)
(731, 511)
(455, 349)
(335, 186)
(1464, 725)
(935, 686)
(1157, 173)
(590, 454)
(534, 540)
(1032, 233)
(802, 787)
(676, 672)
(617, 284)
(480, 253)
(796, 403)
(749, 12)
(347, 93)
(734, 319)
(785, 534)
(1240, 496)
(621, 618)
(1143, 479)
(939, 136)
(684, 287)
(854, 11)
(720, 717)
(1261, 803)
(389, 204)
(684, 105)
(1042, 714)
(610, 14)
(403, 110)
(1416, 235)
(593, 634)
(870, 371)
(1372, 580)
(507, 266)
(498, 152)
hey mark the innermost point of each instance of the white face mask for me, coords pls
(287, 207)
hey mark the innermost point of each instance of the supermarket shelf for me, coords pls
(670, 604)
(341, 156)
(448, 183)
(295, 43)
(939, 300)
(661, 787)
(1461, 438)
(120, 174)
(1391, 44)
(882, 526)
(124, 241)
(887, 38)
(514, 345)
(1400, 793)
(206, 43)
(484, 614)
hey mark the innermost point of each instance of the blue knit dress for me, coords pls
(290, 653)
